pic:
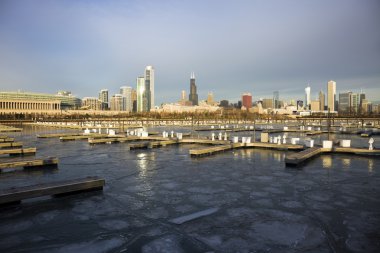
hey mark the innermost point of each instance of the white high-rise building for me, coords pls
(331, 96)
(126, 92)
(149, 84)
(307, 97)
(140, 92)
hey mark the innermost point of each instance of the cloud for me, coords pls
(233, 47)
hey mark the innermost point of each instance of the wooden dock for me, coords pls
(4, 128)
(57, 135)
(125, 139)
(212, 150)
(141, 145)
(156, 144)
(18, 151)
(7, 139)
(300, 157)
(10, 145)
(87, 136)
(113, 140)
(16, 195)
(267, 145)
(28, 163)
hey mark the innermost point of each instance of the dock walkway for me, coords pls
(10, 144)
(300, 157)
(28, 162)
(18, 151)
(16, 195)
(212, 150)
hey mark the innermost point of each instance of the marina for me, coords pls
(199, 180)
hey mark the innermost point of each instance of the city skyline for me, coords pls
(83, 47)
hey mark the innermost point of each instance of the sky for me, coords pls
(233, 47)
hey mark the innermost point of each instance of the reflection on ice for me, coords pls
(370, 165)
(90, 247)
(142, 162)
(346, 162)
(326, 161)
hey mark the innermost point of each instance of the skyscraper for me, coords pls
(247, 100)
(134, 100)
(331, 96)
(361, 97)
(183, 95)
(276, 100)
(117, 102)
(321, 101)
(193, 96)
(140, 91)
(149, 86)
(103, 97)
(126, 92)
(345, 102)
(355, 103)
(307, 97)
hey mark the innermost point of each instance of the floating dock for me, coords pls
(301, 157)
(125, 139)
(16, 195)
(28, 163)
(4, 128)
(6, 139)
(112, 140)
(83, 137)
(267, 145)
(141, 145)
(10, 145)
(57, 135)
(219, 148)
(212, 150)
(18, 151)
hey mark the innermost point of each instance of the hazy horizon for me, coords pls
(232, 46)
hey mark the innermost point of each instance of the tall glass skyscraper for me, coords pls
(126, 92)
(307, 97)
(149, 87)
(193, 96)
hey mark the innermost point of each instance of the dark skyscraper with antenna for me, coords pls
(193, 96)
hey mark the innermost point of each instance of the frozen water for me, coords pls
(46, 217)
(263, 206)
(292, 204)
(288, 234)
(96, 246)
(15, 226)
(168, 243)
(194, 216)
(113, 224)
